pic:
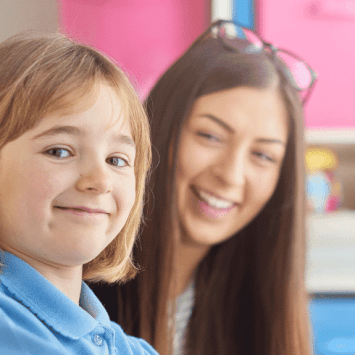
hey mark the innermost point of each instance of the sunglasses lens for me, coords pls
(253, 38)
(298, 72)
(300, 75)
(230, 31)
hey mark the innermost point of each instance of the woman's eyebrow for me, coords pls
(231, 130)
(75, 131)
(271, 141)
(218, 121)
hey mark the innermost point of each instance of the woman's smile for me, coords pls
(212, 199)
(211, 205)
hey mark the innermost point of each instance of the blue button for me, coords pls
(97, 340)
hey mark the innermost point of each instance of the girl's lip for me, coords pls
(83, 209)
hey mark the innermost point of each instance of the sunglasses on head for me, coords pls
(299, 74)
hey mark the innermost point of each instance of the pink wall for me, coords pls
(322, 32)
(143, 36)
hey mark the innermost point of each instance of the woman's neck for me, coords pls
(188, 258)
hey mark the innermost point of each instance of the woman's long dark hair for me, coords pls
(250, 296)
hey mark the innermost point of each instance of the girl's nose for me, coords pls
(96, 180)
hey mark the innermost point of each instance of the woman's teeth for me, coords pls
(213, 201)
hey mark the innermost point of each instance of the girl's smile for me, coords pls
(83, 209)
(88, 214)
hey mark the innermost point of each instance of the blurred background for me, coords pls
(146, 36)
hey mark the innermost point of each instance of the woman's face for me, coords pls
(230, 156)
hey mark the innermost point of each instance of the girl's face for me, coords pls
(230, 155)
(67, 186)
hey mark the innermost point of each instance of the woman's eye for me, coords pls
(264, 156)
(116, 161)
(58, 152)
(208, 136)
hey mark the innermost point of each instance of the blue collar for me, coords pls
(49, 304)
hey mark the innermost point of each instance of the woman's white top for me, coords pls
(184, 306)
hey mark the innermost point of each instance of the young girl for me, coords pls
(223, 248)
(74, 152)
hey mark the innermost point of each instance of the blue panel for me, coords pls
(243, 13)
(333, 323)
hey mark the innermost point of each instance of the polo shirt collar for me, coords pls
(48, 303)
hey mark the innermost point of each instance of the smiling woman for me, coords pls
(221, 159)
(223, 247)
(75, 151)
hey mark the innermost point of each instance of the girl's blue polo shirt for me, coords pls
(37, 318)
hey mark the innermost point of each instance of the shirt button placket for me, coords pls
(97, 340)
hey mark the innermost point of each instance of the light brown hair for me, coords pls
(45, 74)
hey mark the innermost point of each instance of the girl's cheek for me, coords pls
(52, 182)
(125, 192)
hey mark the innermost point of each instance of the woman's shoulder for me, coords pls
(135, 346)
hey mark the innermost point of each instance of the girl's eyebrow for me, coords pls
(75, 131)
(123, 138)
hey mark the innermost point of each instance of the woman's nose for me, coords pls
(94, 178)
(231, 169)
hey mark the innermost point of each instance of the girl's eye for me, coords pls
(208, 136)
(59, 152)
(264, 156)
(116, 161)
